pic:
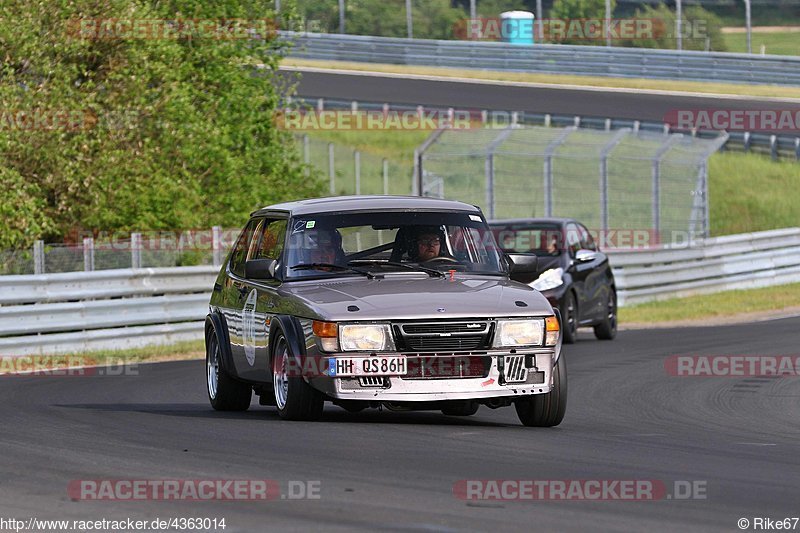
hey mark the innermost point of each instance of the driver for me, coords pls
(426, 245)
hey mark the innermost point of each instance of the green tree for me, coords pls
(171, 133)
(576, 11)
(701, 29)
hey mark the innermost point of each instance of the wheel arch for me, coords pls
(215, 323)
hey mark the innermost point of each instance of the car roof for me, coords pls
(538, 220)
(335, 204)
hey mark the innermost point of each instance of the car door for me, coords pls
(596, 283)
(578, 271)
(261, 300)
(236, 293)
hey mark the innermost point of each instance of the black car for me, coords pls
(402, 303)
(573, 273)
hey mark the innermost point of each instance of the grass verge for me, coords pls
(781, 43)
(173, 352)
(775, 91)
(717, 305)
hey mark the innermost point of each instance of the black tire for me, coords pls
(294, 398)
(224, 392)
(569, 318)
(607, 329)
(546, 410)
(461, 408)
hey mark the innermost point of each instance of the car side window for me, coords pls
(573, 239)
(239, 254)
(272, 240)
(587, 242)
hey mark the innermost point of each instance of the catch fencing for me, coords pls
(635, 180)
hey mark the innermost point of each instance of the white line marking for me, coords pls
(535, 85)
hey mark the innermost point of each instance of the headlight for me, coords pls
(550, 279)
(365, 337)
(511, 333)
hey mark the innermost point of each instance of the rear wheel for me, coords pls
(461, 408)
(224, 392)
(294, 398)
(569, 314)
(546, 410)
(607, 329)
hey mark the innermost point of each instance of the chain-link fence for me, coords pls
(351, 171)
(607, 179)
(122, 250)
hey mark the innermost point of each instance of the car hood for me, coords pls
(403, 297)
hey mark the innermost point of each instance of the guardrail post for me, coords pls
(797, 148)
(416, 182)
(608, 124)
(38, 257)
(331, 169)
(136, 250)
(746, 141)
(773, 147)
(320, 104)
(216, 246)
(577, 122)
(88, 254)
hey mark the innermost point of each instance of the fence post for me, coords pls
(216, 245)
(38, 257)
(88, 254)
(416, 180)
(331, 169)
(489, 170)
(306, 155)
(385, 176)
(136, 250)
(604, 174)
(357, 162)
(548, 169)
(656, 175)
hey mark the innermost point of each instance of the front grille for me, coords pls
(447, 366)
(372, 381)
(514, 370)
(443, 336)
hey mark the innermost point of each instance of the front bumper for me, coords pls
(503, 377)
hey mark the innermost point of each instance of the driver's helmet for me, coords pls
(425, 232)
(318, 246)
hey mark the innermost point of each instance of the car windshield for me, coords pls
(540, 239)
(429, 242)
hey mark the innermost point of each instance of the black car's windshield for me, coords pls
(540, 239)
(430, 242)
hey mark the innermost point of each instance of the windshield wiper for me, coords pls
(430, 271)
(310, 266)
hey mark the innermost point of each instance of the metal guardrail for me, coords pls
(744, 261)
(551, 58)
(126, 308)
(109, 309)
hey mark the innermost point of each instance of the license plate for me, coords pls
(369, 366)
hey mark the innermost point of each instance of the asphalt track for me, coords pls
(627, 419)
(555, 100)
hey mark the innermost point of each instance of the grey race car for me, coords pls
(396, 302)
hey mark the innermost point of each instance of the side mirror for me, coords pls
(585, 256)
(523, 267)
(260, 269)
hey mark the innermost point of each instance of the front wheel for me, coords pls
(546, 410)
(224, 392)
(607, 329)
(570, 318)
(294, 398)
